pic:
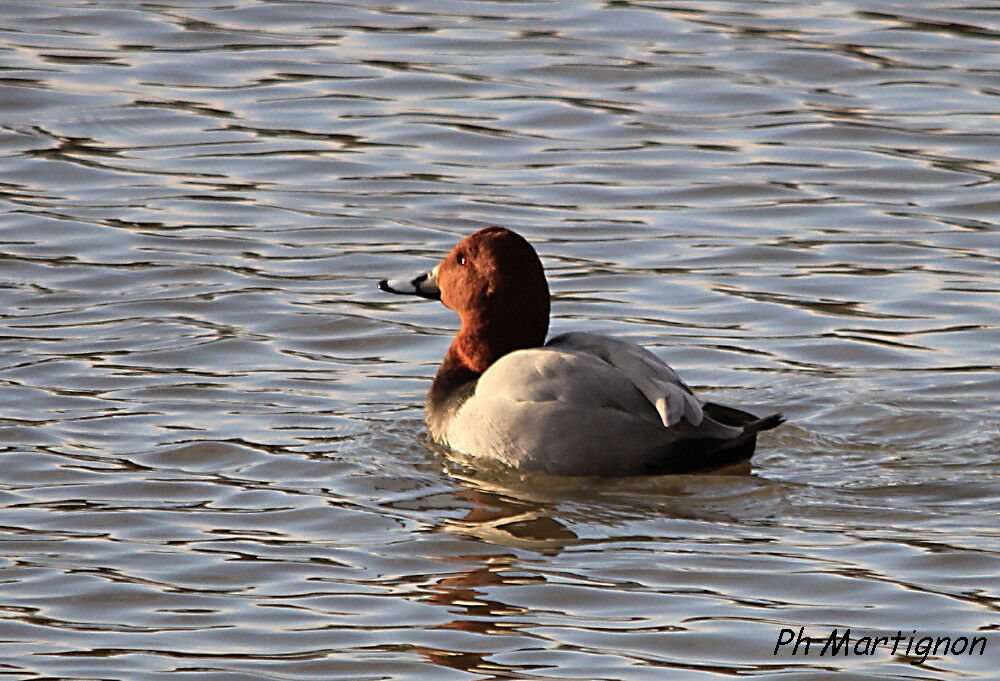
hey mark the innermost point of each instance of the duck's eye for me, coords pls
(460, 259)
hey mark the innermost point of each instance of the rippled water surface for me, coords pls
(213, 459)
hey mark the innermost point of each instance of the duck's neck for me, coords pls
(486, 336)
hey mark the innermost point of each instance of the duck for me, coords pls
(581, 404)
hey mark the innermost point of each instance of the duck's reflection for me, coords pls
(470, 590)
(504, 521)
(473, 663)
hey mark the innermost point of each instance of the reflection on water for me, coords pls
(213, 455)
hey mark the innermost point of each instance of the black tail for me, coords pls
(696, 454)
(735, 417)
(766, 423)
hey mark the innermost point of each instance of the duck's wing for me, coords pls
(658, 383)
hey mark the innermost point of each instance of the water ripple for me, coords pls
(214, 460)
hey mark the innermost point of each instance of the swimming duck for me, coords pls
(579, 404)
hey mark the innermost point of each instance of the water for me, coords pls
(213, 456)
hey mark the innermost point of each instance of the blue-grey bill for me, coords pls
(423, 285)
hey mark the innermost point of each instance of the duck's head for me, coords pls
(495, 282)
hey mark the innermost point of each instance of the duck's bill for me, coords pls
(424, 285)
